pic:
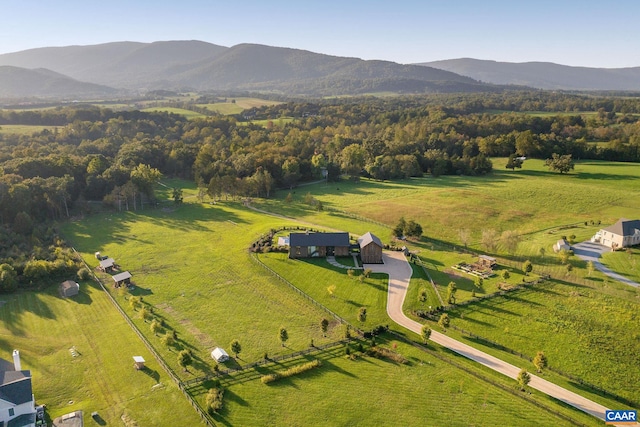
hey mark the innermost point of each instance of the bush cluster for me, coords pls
(294, 370)
(385, 353)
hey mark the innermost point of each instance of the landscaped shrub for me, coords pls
(84, 274)
(294, 370)
(214, 400)
(385, 353)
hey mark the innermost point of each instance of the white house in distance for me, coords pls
(561, 245)
(620, 235)
(17, 404)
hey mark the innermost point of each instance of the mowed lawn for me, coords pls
(44, 327)
(588, 334)
(192, 267)
(369, 391)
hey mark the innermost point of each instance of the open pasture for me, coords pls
(45, 328)
(240, 104)
(370, 391)
(181, 111)
(25, 129)
(191, 266)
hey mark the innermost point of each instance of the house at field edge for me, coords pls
(561, 245)
(17, 404)
(307, 245)
(370, 249)
(69, 288)
(620, 235)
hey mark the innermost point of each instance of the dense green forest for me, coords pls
(98, 154)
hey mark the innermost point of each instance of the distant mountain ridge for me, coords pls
(543, 75)
(16, 82)
(196, 65)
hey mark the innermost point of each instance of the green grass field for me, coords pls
(624, 262)
(44, 327)
(181, 111)
(369, 391)
(25, 129)
(240, 104)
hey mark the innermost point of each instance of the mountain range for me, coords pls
(118, 68)
(543, 75)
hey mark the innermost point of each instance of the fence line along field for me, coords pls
(191, 267)
(80, 353)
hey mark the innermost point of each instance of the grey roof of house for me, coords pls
(319, 239)
(624, 227)
(5, 365)
(15, 386)
(367, 238)
(23, 420)
(68, 284)
(121, 276)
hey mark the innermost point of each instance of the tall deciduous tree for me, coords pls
(283, 335)
(523, 378)
(185, 359)
(560, 163)
(425, 333)
(444, 321)
(235, 346)
(540, 361)
(352, 160)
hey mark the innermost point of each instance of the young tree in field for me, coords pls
(540, 361)
(523, 378)
(514, 162)
(425, 333)
(558, 163)
(167, 339)
(542, 251)
(134, 302)
(283, 335)
(185, 359)
(569, 268)
(177, 196)
(505, 275)
(590, 268)
(145, 314)
(564, 256)
(451, 293)
(236, 348)
(478, 282)
(362, 314)
(444, 321)
(465, 236)
(510, 240)
(422, 295)
(398, 230)
(527, 267)
(488, 239)
(324, 325)
(155, 327)
(332, 290)
(413, 229)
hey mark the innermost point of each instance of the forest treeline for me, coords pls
(98, 154)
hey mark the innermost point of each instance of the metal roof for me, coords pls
(319, 239)
(367, 238)
(121, 276)
(106, 263)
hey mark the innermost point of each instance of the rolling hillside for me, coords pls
(18, 82)
(543, 75)
(195, 65)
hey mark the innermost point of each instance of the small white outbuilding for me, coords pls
(219, 355)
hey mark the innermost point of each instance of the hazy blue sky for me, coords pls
(586, 32)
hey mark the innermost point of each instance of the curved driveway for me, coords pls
(399, 271)
(589, 251)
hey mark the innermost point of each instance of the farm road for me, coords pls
(588, 251)
(399, 271)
